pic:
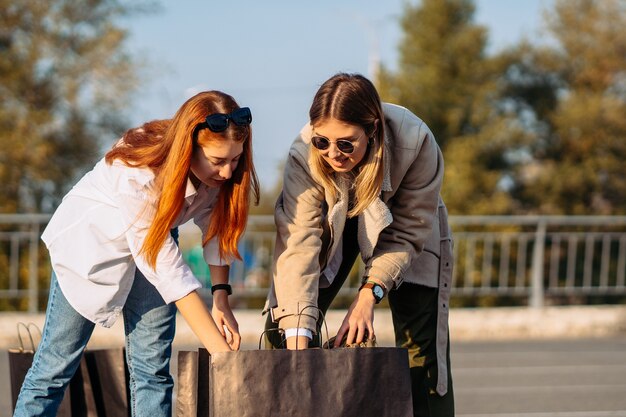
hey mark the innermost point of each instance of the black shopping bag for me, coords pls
(108, 376)
(98, 388)
(187, 381)
(314, 382)
(20, 361)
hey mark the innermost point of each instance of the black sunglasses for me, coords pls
(322, 143)
(218, 122)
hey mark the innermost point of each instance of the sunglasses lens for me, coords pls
(345, 146)
(217, 122)
(242, 116)
(320, 143)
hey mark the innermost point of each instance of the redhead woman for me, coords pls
(112, 252)
(363, 178)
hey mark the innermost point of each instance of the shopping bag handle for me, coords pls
(298, 325)
(320, 312)
(277, 329)
(30, 335)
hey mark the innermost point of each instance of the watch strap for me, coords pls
(370, 285)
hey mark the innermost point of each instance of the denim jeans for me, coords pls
(149, 326)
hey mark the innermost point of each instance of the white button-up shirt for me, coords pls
(95, 236)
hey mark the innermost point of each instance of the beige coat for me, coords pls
(401, 235)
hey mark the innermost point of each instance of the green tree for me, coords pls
(440, 70)
(445, 77)
(573, 89)
(535, 128)
(65, 77)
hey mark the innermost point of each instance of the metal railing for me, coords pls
(19, 241)
(539, 256)
(515, 256)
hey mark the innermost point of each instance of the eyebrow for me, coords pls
(218, 158)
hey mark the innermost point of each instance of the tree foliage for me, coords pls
(535, 128)
(577, 95)
(65, 78)
(445, 77)
(439, 72)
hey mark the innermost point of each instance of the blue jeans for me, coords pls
(149, 326)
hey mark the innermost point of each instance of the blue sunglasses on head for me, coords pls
(218, 122)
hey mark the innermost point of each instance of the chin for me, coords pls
(216, 183)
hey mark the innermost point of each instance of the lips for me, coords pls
(339, 163)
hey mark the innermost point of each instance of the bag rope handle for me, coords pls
(30, 335)
(321, 313)
(282, 331)
(279, 330)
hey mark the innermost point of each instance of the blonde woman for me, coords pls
(112, 253)
(364, 178)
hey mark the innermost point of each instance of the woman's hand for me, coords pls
(225, 319)
(221, 311)
(359, 320)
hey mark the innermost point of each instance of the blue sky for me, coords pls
(272, 55)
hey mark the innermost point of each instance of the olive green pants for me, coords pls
(414, 315)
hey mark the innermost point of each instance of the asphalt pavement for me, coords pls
(540, 378)
(553, 362)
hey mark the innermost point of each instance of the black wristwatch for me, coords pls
(377, 290)
(226, 287)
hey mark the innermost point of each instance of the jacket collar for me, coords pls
(386, 186)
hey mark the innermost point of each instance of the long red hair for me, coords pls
(166, 147)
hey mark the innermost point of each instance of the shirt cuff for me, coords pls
(299, 331)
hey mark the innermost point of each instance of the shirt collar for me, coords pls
(190, 191)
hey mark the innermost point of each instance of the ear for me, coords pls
(376, 123)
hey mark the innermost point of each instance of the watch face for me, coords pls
(378, 292)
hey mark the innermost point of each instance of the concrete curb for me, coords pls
(504, 323)
(546, 323)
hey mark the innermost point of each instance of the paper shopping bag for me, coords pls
(98, 388)
(109, 377)
(313, 382)
(76, 401)
(187, 383)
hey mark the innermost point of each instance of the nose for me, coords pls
(226, 172)
(333, 151)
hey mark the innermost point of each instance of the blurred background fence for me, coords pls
(499, 260)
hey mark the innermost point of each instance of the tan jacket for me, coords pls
(403, 235)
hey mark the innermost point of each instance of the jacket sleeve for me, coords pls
(298, 217)
(172, 277)
(413, 206)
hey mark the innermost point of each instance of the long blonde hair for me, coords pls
(166, 147)
(352, 99)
